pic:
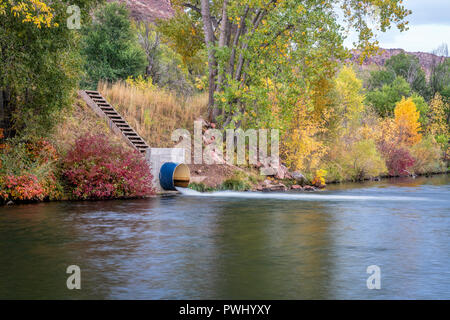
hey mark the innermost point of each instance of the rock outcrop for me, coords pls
(149, 10)
(426, 60)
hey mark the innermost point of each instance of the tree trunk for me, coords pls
(222, 41)
(212, 64)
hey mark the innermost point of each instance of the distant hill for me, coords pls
(426, 60)
(148, 10)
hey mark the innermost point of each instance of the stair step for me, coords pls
(115, 117)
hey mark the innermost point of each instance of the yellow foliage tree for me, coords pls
(302, 146)
(438, 119)
(350, 97)
(407, 122)
(30, 11)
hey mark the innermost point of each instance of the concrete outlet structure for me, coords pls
(156, 157)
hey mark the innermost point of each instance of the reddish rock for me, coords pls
(149, 10)
(276, 187)
(309, 188)
(426, 60)
(296, 187)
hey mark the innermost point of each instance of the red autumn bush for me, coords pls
(41, 151)
(399, 160)
(95, 168)
(24, 188)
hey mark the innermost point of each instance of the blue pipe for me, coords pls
(167, 176)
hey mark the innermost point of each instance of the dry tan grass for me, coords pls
(80, 120)
(154, 113)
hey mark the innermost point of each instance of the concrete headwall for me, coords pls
(156, 157)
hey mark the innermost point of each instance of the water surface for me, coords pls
(235, 246)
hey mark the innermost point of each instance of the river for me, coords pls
(235, 245)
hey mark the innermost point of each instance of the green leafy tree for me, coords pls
(281, 49)
(40, 63)
(184, 35)
(164, 66)
(110, 46)
(408, 67)
(440, 75)
(422, 107)
(378, 78)
(384, 99)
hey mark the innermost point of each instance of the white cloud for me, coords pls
(426, 37)
(429, 27)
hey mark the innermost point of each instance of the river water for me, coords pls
(235, 245)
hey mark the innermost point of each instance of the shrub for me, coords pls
(399, 161)
(28, 171)
(238, 182)
(24, 187)
(365, 161)
(357, 161)
(427, 155)
(319, 179)
(200, 187)
(95, 168)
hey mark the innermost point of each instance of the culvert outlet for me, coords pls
(173, 175)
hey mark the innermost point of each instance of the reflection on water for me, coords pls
(235, 247)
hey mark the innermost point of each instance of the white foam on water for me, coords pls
(294, 196)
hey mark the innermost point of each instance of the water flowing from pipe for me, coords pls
(294, 196)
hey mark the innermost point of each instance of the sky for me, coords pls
(429, 27)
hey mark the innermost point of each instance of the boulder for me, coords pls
(282, 172)
(297, 176)
(275, 187)
(296, 187)
(309, 188)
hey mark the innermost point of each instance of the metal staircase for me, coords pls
(115, 121)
